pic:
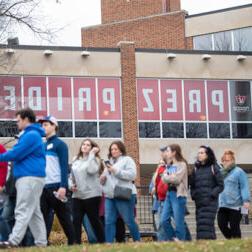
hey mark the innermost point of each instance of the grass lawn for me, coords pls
(202, 246)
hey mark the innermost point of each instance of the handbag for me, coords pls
(122, 193)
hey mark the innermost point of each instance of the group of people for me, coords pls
(101, 195)
(221, 190)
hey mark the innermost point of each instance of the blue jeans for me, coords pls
(89, 230)
(174, 207)
(160, 229)
(124, 208)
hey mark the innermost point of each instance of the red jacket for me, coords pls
(3, 168)
(161, 187)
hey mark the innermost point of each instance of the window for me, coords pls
(243, 39)
(219, 130)
(196, 130)
(173, 130)
(85, 129)
(234, 40)
(65, 129)
(8, 128)
(242, 130)
(110, 129)
(149, 130)
(223, 41)
(203, 42)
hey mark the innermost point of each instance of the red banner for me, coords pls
(35, 94)
(85, 99)
(10, 98)
(109, 99)
(171, 100)
(195, 104)
(148, 100)
(60, 97)
(217, 94)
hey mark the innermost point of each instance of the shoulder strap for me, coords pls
(213, 171)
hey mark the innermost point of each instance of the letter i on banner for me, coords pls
(35, 94)
(60, 97)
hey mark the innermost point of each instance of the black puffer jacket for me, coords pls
(206, 183)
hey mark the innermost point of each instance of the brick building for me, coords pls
(150, 74)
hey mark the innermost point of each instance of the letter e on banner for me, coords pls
(10, 96)
(171, 100)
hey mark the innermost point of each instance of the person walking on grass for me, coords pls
(236, 195)
(29, 172)
(54, 194)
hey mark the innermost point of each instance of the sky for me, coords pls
(70, 15)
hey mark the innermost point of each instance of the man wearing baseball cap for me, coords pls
(56, 182)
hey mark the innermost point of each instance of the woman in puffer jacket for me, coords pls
(206, 183)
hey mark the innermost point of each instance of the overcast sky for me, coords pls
(74, 14)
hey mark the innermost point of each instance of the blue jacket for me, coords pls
(56, 163)
(28, 154)
(236, 189)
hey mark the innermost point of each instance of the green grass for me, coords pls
(202, 246)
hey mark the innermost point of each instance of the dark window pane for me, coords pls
(149, 130)
(110, 129)
(196, 130)
(85, 129)
(173, 130)
(203, 42)
(240, 97)
(219, 130)
(8, 128)
(242, 130)
(243, 39)
(65, 129)
(222, 41)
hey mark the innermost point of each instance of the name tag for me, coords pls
(49, 146)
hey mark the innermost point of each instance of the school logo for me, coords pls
(240, 99)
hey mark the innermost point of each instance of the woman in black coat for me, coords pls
(206, 183)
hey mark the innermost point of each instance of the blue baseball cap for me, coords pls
(50, 119)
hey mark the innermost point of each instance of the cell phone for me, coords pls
(107, 163)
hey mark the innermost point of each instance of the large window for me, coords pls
(212, 109)
(233, 40)
(84, 107)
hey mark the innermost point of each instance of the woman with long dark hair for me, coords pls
(87, 192)
(206, 183)
(120, 191)
(175, 203)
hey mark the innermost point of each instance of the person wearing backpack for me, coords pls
(206, 183)
(236, 195)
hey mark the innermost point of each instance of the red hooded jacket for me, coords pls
(3, 168)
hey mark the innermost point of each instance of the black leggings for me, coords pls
(91, 208)
(229, 222)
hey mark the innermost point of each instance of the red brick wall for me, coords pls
(164, 31)
(129, 102)
(189, 43)
(118, 10)
(173, 5)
